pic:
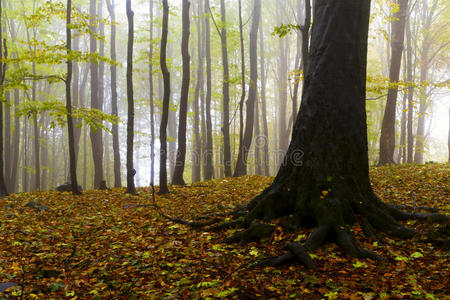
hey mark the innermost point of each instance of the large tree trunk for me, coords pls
(387, 138)
(196, 154)
(209, 174)
(324, 179)
(181, 153)
(96, 103)
(70, 131)
(244, 147)
(265, 139)
(114, 108)
(163, 188)
(131, 189)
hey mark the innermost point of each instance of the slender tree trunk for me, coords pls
(70, 131)
(409, 71)
(241, 163)
(241, 102)
(3, 56)
(448, 134)
(96, 103)
(131, 189)
(402, 154)
(114, 109)
(258, 139)
(265, 141)
(76, 98)
(152, 105)
(181, 153)
(209, 174)
(16, 137)
(283, 137)
(25, 183)
(7, 142)
(387, 138)
(196, 155)
(163, 188)
(226, 94)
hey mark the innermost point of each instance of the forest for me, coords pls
(200, 149)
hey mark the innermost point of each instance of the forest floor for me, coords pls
(111, 245)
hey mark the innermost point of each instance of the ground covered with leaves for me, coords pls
(111, 245)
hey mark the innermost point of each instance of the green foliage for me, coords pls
(284, 29)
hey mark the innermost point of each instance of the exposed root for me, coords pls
(368, 230)
(414, 208)
(317, 237)
(181, 221)
(278, 261)
(301, 254)
(433, 217)
(254, 232)
(226, 225)
(347, 242)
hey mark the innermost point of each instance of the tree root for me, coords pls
(254, 232)
(181, 221)
(347, 242)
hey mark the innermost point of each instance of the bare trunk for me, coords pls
(226, 94)
(96, 103)
(241, 102)
(163, 188)
(152, 105)
(70, 131)
(181, 153)
(131, 189)
(265, 138)
(387, 138)
(196, 154)
(409, 71)
(241, 163)
(114, 108)
(209, 174)
(3, 55)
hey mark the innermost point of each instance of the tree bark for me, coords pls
(387, 138)
(131, 189)
(196, 155)
(70, 131)
(241, 102)
(209, 174)
(324, 179)
(409, 78)
(96, 103)
(3, 55)
(241, 163)
(181, 153)
(226, 94)
(265, 139)
(152, 104)
(283, 134)
(114, 108)
(163, 188)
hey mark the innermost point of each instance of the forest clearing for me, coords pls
(105, 245)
